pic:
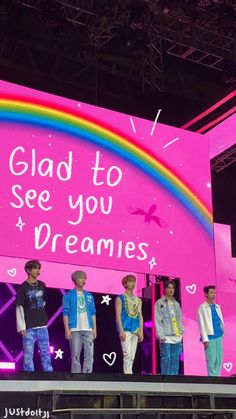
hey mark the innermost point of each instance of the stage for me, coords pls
(75, 395)
(116, 383)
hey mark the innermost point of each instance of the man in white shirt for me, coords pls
(211, 325)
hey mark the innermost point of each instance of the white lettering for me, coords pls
(87, 245)
(144, 254)
(91, 210)
(44, 227)
(129, 247)
(71, 241)
(22, 164)
(44, 167)
(107, 243)
(109, 175)
(96, 168)
(92, 204)
(31, 195)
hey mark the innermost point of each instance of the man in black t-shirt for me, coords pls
(31, 317)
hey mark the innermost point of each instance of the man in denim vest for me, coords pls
(79, 317)
(169, 330)
(129, 320)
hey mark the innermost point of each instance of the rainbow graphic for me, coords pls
(41, 113)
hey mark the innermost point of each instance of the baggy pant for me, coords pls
(170, 353)
(82, 339)
(214, 356)
(41, 335)
(129, 347)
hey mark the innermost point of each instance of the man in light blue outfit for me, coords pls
(79, 317)
(211, 325)
(169, 330)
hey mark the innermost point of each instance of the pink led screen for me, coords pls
(86, 186)
(221, 138)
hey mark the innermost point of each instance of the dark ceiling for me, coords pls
(133, 56)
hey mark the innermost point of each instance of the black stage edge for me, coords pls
(116, 377)
(115, 396)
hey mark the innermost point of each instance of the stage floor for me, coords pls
(22, 382)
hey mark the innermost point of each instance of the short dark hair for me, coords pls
(207, 288)
(167, 283)
(31, 264)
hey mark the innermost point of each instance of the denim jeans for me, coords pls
(29, 339)
(214, 356)
(82, 339)
(170, 353)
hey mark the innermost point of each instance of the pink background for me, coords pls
(181, 248)
(221, 138)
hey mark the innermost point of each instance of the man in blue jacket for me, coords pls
(79, 317)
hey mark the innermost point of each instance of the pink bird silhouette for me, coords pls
(148, 216)
(233, 280)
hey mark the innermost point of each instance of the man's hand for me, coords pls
(162, 340)
(68, 334)
(206, 344)
(22, 332)
(140, 336)
(122, 336)
(94, 333)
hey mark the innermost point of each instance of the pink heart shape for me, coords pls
(191, 289)
(12, 272)
(228, 366)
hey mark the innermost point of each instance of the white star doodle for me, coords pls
(132, 123)
(20, 224)
(106, 299)
(59, 353)
(171, 142)
(155, 122)
(152, 263)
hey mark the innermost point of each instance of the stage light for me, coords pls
(51, 349)
(136, 26)
(204, 4)
(7, 366)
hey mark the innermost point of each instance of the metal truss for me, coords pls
(153, 62)
(76, 69)
(224, 160)
(199, 42)
(173, 33)
(101, 28)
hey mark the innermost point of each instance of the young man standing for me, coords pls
(211, 325)
(129, 322)
(79, 317)
(169, 330)
(31, 317)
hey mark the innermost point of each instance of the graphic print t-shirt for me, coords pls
(32, 299)
(82, 316)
